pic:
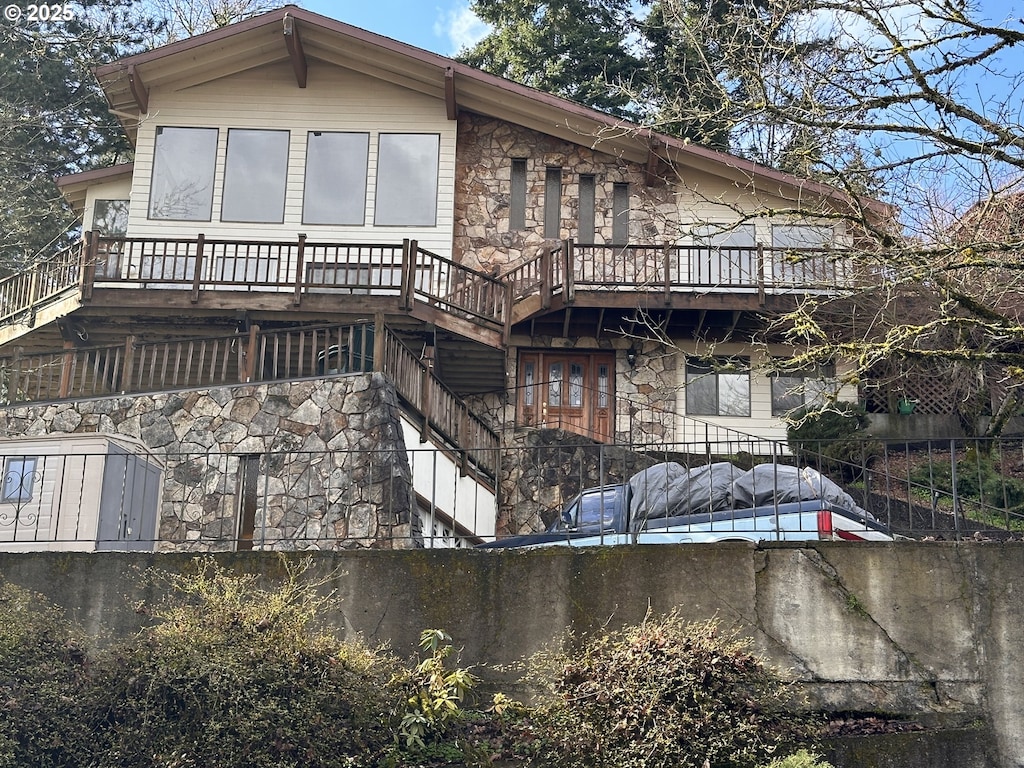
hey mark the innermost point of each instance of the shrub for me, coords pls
(235, 675)
(832, 440)
(662, 694)
(800, 759)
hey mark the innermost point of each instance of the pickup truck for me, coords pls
(769, 503)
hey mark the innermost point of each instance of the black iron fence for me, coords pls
(56, 499)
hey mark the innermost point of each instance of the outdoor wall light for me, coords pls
(631, 355)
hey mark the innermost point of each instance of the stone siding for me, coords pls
(333, 471)
(486, 148)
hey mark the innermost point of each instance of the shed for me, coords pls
(78, 492)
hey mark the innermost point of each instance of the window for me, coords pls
(335, 186)
(517, 197)
(110, 217)
(248, 500)
(553, 203)
(718, 388)
(730, 257)
(407, 179)
(587, 197)
(19, 478)
(568, 390)
(181, 188)
(620, 214)
(255, 176)
(791, 391)
(805, 267)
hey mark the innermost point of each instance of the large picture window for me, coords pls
(184, 160)
(255, 176)
(335, 188)
(407, 174)
(718, 388)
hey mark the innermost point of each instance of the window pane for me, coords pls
(586, 202)
(555, 384)
(734, 394)
(407, 179)
(620, 214)
(110, 217)
(576, 385)
(701, 390)
(602, 386)
(597, 509)
(517, 202)
(335, 186)
(183, 167)
(19, 478)
(787, 394)
(528, 376)
(553, 203)
(255, 176)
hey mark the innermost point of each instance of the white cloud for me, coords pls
(460, 26)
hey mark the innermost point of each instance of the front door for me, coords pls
(568, 390)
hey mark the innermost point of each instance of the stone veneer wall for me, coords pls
(333, 467)
(485, 150)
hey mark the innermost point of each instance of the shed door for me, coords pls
(129, 502)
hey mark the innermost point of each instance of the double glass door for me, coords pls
(573, 391)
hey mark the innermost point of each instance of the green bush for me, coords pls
(832, 440)
(662, 694)
(800, 759)
(43, 664)
(980, 481)
(235, 675)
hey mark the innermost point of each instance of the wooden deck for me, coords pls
(135, 366)
(300, 276)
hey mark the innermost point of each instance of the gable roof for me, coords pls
(294, 34)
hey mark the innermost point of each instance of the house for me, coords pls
(310, 203)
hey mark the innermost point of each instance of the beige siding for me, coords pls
(334, 100)
(761, 422)
(119, 189)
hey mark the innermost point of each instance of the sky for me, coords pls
(439, 26)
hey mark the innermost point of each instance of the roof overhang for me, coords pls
(294, 35)
(75, 185)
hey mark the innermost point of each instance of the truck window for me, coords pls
(597, 509)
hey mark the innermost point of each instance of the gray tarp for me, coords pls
(780, 483)
(669, 489)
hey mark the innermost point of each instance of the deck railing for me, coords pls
(40, 283)
(136, 366)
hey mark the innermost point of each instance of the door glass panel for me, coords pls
(576, 385)
(602, 386)
(528, 375)
(555, 384)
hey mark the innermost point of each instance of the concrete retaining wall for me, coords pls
(931, 630)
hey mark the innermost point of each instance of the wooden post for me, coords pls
(197, 275)
(251, 354)
(300, 269)
(760, 273)
(568, 278)
(379, 332)
(547, 278)
(408, 290)
(129, 359)
(506, 331)
(14, 385)
(88, 273)
(64, 389)
(425, 389)
(667, 266)
(464, 441)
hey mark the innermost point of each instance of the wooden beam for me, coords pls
(450, 104)
(138, 88)
(651, 172)
(295, 52)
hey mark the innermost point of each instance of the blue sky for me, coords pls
(440, 26)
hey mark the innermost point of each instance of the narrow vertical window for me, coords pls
(553, 203)
(587, 196)
(528, 381)
(248, 488)
(576, 385)
(555, 385)
(620, 214)
(517, 198)
(602, 386)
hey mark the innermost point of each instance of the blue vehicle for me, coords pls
(669, 504)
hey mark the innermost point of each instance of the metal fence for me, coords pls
(945, 489)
